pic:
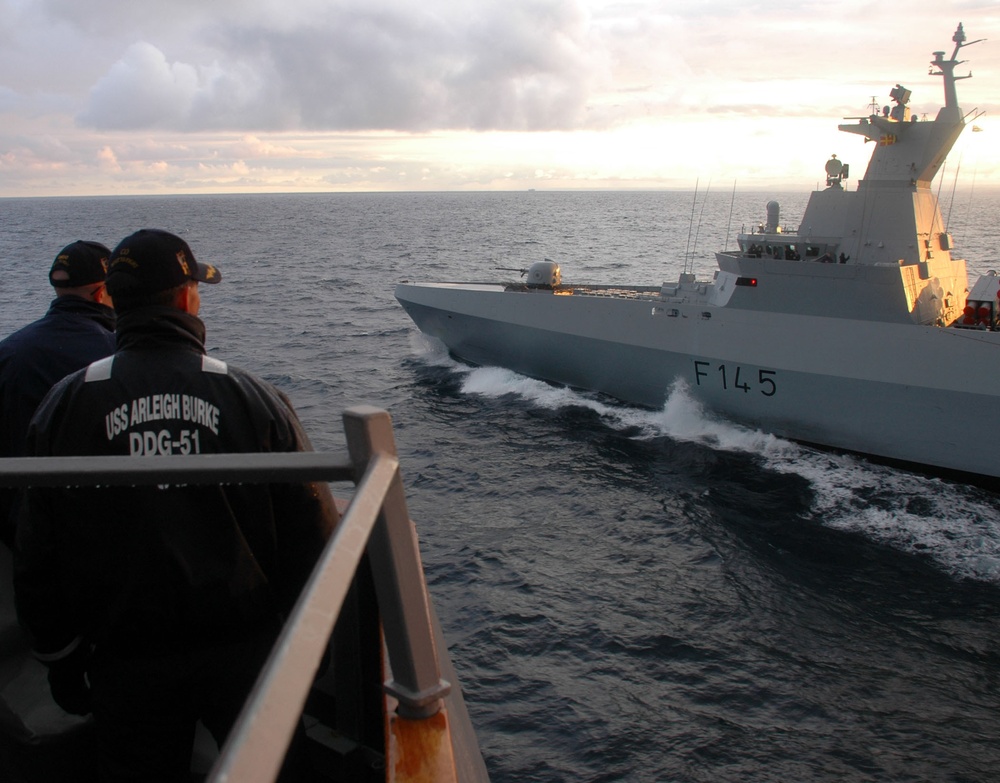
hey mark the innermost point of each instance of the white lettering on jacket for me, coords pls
(161, 407)
(158, 407)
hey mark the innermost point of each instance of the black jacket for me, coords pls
(142, 569)
(73, 333)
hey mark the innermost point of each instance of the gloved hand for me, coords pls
(68, 681)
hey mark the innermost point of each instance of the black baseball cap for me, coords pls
(152, 260)
(84, 263)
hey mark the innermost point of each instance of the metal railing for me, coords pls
(376, 521)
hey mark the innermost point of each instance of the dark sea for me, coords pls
(628, 594)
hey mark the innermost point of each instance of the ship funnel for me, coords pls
(773, 217)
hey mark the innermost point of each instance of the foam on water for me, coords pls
(955, 524)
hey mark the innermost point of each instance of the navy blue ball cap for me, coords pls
(152, 260)
(82, 262)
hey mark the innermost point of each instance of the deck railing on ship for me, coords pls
(425, 729)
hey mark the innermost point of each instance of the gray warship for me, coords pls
(858, 332)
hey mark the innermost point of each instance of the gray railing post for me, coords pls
(398, 575)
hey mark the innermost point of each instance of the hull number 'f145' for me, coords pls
(733, 376)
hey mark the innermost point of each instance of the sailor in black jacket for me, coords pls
(169, 596)
(78, 328)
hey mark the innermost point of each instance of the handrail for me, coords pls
(271, 711)
(376, 521)
(196, 469)
(399, 576)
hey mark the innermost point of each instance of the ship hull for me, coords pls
(922, 395)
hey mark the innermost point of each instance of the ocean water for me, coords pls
(629, 595)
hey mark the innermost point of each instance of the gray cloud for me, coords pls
(523, 66)
(267, 94)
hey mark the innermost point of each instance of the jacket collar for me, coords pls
(77, 305)
(160, 327)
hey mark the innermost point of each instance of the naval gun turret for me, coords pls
(544, 274)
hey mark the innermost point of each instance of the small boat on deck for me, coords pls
(860, 331)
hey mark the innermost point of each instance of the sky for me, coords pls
(116, 97)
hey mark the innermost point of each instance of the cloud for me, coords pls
(250, 146)
(523, 66)
(107, 160)
(143, 90)
(106, 96)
